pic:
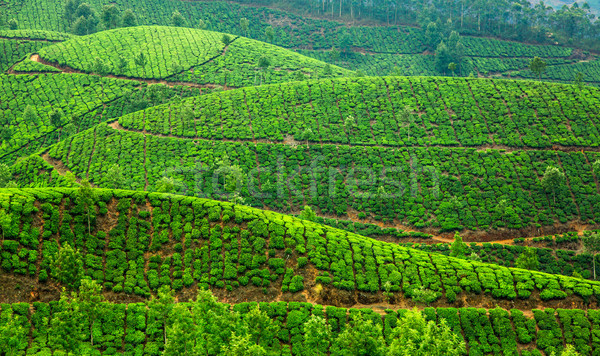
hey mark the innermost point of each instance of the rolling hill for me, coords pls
(294, 145)
(183, 54)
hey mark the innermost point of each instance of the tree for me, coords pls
(528, 260)
(57, 118)
(140, 60)
(414, 336)
(423, 295)
(5, 222)
(538, 66)
(161, 306)
(308, 214)
(591, 245)
(232, 174)
(317, 336)
(596, 167)
(432, 36)
(110, 16)
(129, 19)
(334, 54)
(578, 80)
(67, 267)
(5, 175)
(202, 25)
(260, 326)
(86, 196)
(244, 24)
(114, 176)
(66, 325)
(86, 20)
(122, 64)
(90, 303)
(13, 24)
(180, 333)
(242, 346)
(30, 116)
(270, 33)
(226, 40)
(569, 350)
(263, 63)
(452, 67)
(406, 118)
(177, 19)
(552, 180)
(70, 8)
(458, 247)
(361, 337)
(100, 67)
(13, 335)
(165, 185)
(307, 134)
(442, 57)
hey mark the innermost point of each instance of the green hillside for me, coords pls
(374, 50)
(182, 54)
(337, 144)
(15, 45)
(447, 112)
(79, 102)
(123, 328)
(135, 242)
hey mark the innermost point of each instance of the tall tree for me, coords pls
(177, 19)
(458, 247)
(538, 66)
(140, 60)
(161, 306)
(114, 177)
(13, 335)
(528, 260)
(361, 337)
(552, 180)
(90, 303)
(67, 267)
(406, 118)
(129, 18)
(414, 336)
(244, 24)
(86, 197)
(591, 245)
(110, 16)
(317, 336)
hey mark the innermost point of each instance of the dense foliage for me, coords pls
(281, 328)
(137, 242)
(446, 111)
(183, 54)
(28, 102)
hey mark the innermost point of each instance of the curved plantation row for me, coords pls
(557, 261)
(14, 45)
(135, 242)
(39, 110)
(12, 51)
(29, 66)
(589, 69)
(390, 111)
(183, 54)
(284, 328)
(443, 188)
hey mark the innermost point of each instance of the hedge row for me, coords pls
(135, 329)
(141, 241)
(368, 111)
(84, 101)
(445, 188)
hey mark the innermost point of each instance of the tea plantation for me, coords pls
(352, 178)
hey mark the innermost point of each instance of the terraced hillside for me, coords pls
(37, 110)
(16, 45)
(343, 148)
(135, 242)
(123, 327)
(380, 50)
(183, 54)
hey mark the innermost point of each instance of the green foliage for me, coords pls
(415, 336)
(538, 66)
(360, 337)
(67, 267)
(528, 260)
(308, 214)
(317, 336)
(458, 247)
(13, 334)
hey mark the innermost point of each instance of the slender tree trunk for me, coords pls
(594, 264)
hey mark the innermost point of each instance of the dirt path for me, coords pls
(64, 69)
(117, 126)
